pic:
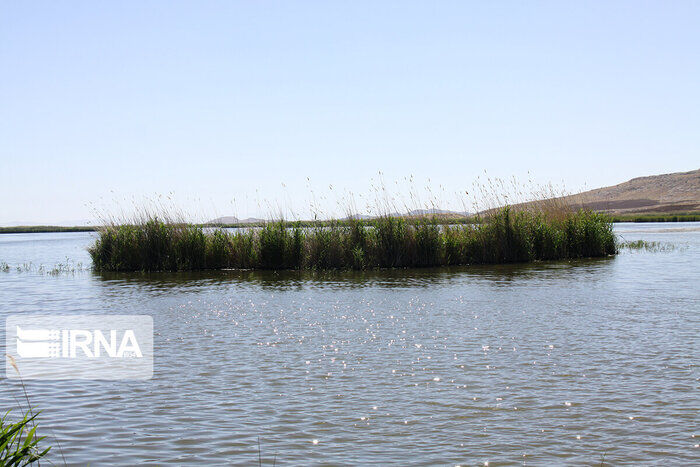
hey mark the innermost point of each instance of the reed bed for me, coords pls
(502, 235)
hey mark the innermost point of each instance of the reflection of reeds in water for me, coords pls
(503, 235)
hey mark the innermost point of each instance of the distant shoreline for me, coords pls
(631, 218)
(45, 229)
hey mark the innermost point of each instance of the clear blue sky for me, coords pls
(102, 102)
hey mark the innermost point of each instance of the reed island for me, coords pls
(503, 235)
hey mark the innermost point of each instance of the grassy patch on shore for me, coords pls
(668, 217)
(452, 220)
(504, 236)
(45, 228)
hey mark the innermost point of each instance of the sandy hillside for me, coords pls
(667, 193)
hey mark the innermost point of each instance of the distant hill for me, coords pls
(432, 212)
(357, 216)
(224, 220)
(656, 194)
(439, 213)
(230, 220)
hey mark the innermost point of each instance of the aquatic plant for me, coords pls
(504, 235)
(18, 441)
(69, 267)
(649, 246)
(19, 445)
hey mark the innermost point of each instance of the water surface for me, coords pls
(549, 363)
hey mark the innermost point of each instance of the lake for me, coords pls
(567, 362)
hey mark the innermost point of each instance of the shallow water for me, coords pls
(549, 363)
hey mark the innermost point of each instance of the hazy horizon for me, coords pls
(246, 108)
(403, 202)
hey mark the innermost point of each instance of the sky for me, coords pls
(304, 108)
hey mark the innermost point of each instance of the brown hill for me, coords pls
(657, 194)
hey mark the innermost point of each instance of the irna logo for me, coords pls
(79, 346)
(73, 343)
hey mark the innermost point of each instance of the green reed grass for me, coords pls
(19, 442)
(504, 236)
